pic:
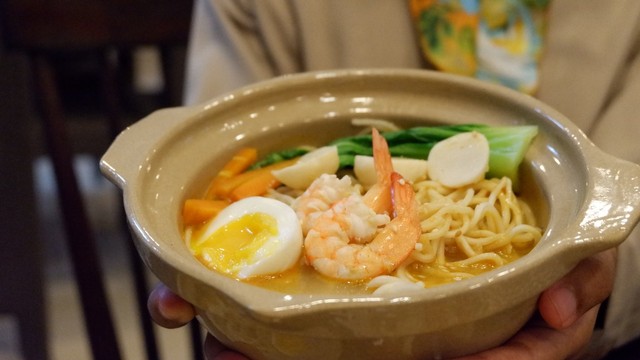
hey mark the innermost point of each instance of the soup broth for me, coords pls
(450, 266)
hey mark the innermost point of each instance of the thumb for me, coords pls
(168, 309)
(586, 286)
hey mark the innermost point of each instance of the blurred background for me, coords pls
(73, 73)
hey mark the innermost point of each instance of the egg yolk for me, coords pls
(237, 243)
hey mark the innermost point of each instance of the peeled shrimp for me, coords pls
(345, 241)
(323, 193)
(350, 236)
(328, 189)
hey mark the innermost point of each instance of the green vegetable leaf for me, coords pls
(278, 157)
(507, 146)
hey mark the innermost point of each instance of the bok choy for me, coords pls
(507, 145)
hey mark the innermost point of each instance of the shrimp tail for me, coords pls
(405, 224)
(383, 164)
(404, 197)
(378, 197)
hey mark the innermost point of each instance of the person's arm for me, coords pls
(616, 131)
(591, 74)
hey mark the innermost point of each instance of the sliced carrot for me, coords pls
(257, 185)
(240, 161)
(197, 211)
(224, 188)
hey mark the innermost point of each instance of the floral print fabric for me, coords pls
(495, 40)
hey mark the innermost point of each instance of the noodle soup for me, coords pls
(168, 159)
(445, 261)
(464, 231)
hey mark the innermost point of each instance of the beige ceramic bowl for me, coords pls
(590, 201)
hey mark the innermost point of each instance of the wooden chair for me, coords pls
(21, 260)
(44, 29)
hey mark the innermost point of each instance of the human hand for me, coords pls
(171, 311)
(561, 329)
(566, 315)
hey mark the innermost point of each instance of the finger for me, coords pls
(537, 341)
(168, 309)
(214, 350)
(587, 285)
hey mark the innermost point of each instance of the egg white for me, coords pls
(279, 252)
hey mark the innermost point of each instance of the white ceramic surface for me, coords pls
(592, 200)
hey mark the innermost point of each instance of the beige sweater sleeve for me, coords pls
(237, 42)
(617, 132)
(228, 48)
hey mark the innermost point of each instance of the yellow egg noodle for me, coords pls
(468, 229)
(465, 231)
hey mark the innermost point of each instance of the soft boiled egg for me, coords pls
(251, 237)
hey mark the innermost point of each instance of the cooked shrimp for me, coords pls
(345, 243)
(323, 193)
(328, 189)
